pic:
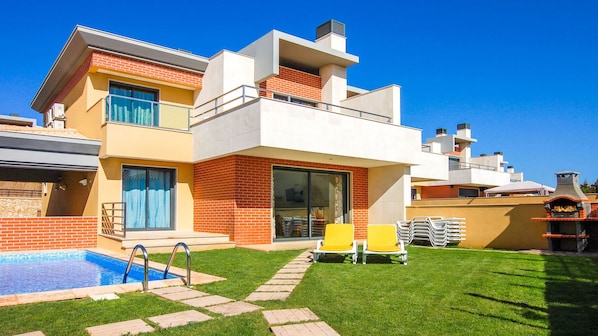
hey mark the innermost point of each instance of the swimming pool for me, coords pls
(46, 271)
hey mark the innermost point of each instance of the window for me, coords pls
(468, 192)
(295, 100)
(148, 194)
(306, 200)
(133, 104)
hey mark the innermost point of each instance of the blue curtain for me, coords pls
(148, 196)
(159, 199)
(142, 110)
(134, 195)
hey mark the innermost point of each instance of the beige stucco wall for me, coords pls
(496, 222)
(389, 192)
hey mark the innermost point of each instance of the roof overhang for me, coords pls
(277, 48)
(42, 157)
(81, 43)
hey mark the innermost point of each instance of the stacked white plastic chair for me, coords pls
(438, 231)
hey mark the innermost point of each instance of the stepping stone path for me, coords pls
(297, 322)
(213, 303)
(284, 281)
(284, 322)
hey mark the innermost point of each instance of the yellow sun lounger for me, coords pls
(338, 239)
(382, 239)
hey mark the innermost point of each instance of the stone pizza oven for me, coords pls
(567, 201)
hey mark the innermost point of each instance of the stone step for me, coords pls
(164, 241)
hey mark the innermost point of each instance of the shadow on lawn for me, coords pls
(572, 295)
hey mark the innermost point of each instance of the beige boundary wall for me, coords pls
(493, 222)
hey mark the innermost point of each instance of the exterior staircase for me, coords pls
(164, 241)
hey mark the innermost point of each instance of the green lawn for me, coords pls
(440, 292)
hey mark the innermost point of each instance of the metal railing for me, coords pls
(145, 266)
(468, 165)
(148, 113)
(244, 93)
(188, 252)
(114, 219)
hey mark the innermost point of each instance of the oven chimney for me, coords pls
(567, 185)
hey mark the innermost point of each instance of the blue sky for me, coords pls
(524, 74)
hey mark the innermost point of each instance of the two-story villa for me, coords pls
(265, 144)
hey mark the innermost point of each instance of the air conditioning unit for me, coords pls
(55, 116)
(57, 111)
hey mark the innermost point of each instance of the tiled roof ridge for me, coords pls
(62, 132)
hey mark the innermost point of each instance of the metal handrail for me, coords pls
(145, 266)
(469, 165)
(218, 108)
(188, 261)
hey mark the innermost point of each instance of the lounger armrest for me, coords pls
(319, 244)
(365, 245)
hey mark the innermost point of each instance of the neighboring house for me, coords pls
(266, 144)
(467, 176)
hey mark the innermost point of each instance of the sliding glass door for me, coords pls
(149, 197)
(306, 200)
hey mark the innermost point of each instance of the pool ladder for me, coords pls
(146, 261)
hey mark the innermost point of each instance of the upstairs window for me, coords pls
(133, 104)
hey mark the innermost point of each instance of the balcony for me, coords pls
(145, 130)
(257, 122)
(147, 113)
(454, 165)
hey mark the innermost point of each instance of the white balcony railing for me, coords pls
(467, 165)
(245, 93)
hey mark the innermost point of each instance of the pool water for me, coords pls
(46, 271)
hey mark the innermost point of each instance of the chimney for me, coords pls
(332, 35)
(464, 130)
(510, 169)
(567, 185)
(440, 131)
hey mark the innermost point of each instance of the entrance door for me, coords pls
(306, 200)
(149, 197)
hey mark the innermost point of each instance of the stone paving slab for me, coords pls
(179, 319)
(233, 308)
(283, 282)
(206, 301)
(305, 329)
(267, 296)
(132, 327)
(296, 276)
(33, 333)
(284, 316)
(275, 288)
(169, 290)
(178, 296)
(293, 270)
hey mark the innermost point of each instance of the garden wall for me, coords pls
(492, 222)
(48, 233)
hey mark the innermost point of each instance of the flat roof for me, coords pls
(83, 40)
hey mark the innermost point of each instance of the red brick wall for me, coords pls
(100, 60)
(443, 191)
(232, 195)
(296, 83)
(48, 233)
(439, 192)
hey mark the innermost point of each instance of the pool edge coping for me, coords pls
(84, 292)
